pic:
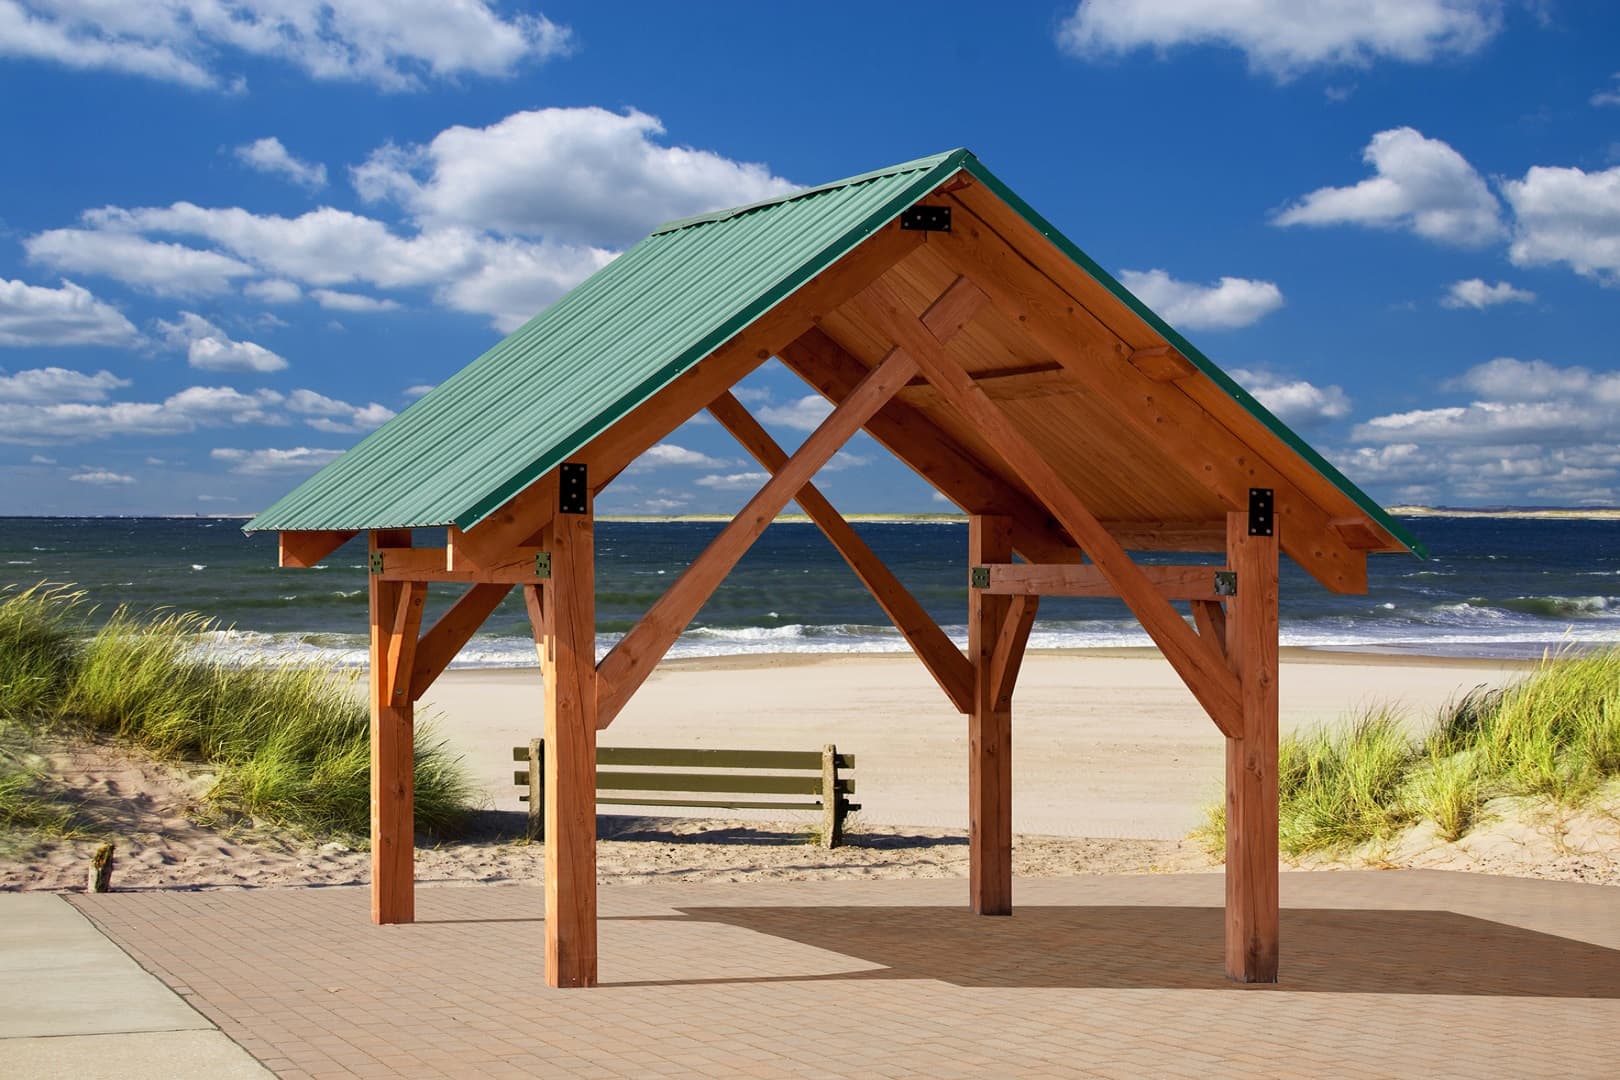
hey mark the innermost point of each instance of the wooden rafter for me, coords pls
(1200, 667)
(520, 520)
(638, 652)
(451, 631)
(943, 659)
(1162, 411)
(1033, 579)
(305, 549)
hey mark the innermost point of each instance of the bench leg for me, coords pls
(832, 803)
(537, 789)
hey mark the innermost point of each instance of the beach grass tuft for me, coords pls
(290, 744)
(1555, 735)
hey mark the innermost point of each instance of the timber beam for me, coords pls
(1202, 668)
(306, 548)
(520, 566)
(933, 647)
(1173, 582)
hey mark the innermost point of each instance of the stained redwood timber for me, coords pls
(638, 652)
(1210, 618)
(514, 567)
(1169, 535)
(451, 631)
(1033, 579)
(522, 518)
(1198, 664)
(1358, 534)
(562, 614)
(1161, 363)
(303, 550)
(916, 440)
(989, 732)
(393, 827)
(1161, 411)
(1251, 760)
(938, 653)
(1011, 641)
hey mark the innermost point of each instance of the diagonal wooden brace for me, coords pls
(1203, 670)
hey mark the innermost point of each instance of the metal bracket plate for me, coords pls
(980, 577)
(573, 496)
(376, 562)
(1226, 583)
(1261, 521)
(926, 219)
(542, 564)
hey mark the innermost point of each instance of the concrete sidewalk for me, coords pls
(73, 1004)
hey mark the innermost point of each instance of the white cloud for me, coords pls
(418, 390)
(152, 266)
(668, 454)
(329, 414)
(804, 414)
(186, 411)
(274, 291)
(274, 461)
(393, 44)
(42, 386)
(1286, 37)
(575, 175)
(267, 155)
(1229, 303)
(733, 481)
(35, 315)
(1295, 402)
(1475, 293)
(1611, 96)
(210, 348)
(1422, 184)
(101, 478)
(1570, 216)
(41, 459)
(332, 300)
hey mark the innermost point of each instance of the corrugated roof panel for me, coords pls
(544, 391)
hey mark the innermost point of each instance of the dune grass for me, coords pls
(290, 744)
(1554, 735)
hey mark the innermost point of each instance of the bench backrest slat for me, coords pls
(764, 784)
(688, 758)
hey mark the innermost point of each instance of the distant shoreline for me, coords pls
(1539, 513)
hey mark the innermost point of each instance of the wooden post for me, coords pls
(537, 789)
(1251, 761)
(393, 788)
(989, 732)
(564, 613)
(832, 804)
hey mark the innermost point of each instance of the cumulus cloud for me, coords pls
(1229, 303)
(1567, 215)
(40, 386)
(575, 175)
(1421, 185)
(210, 348)
(273, 291)
(272, 461)
(668, 454)
(802, 414)
(1609, 96)
(737, 481)
(101, 478)
(192, 408)
(397, 45)
(268, 155)
(329, 414)
(1295, 402)
(154, 266)
(1475, 293)
(1286, 37)
(35, 315)
(356, 303)
(1534, 432)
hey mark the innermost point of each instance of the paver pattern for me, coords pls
(1384, 974)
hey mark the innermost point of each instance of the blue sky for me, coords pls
(234, 236)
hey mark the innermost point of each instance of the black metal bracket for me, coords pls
(1226, 583)
(926, 219)
(980, 577)
(1261, 522)
(573, 496)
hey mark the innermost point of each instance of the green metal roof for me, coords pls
(541, 394)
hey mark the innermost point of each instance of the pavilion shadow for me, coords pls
(1140, 947)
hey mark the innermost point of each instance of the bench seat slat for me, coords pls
(726, 803)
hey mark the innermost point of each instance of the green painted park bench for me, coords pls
(632, 776)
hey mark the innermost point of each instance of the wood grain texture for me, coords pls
(451, 563)
(1200, 667)
(1011, 641)
(393, 781)
(306, 549)
(451, 631)
(989, 732)
(938, 653)
(1209, 616)
(1251, 760)
(1035, 579)
(638, 652)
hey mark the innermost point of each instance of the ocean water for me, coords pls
(1492, 588)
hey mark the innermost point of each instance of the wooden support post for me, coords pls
(562, 613)
(537, 789)
(989, 732)
(832, 803)
(1251, 761)
(393, 823)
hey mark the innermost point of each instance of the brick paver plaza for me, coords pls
(1404, 973)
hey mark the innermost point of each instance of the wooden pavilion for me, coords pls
(941, 314)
